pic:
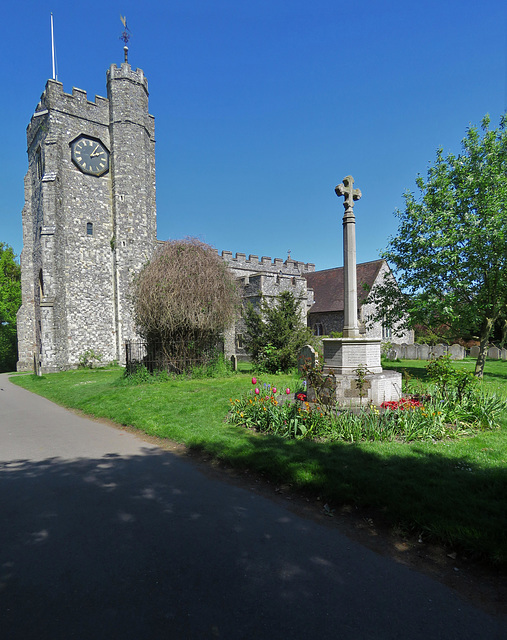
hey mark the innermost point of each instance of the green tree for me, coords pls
(275, 333)
(10, 301)
(450, 252)
(183, 299)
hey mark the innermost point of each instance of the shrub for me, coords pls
(183, 300)
(89, 358)
(448, 381)
(276, 333)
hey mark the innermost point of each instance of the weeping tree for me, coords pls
(183, 300)
(450, 253)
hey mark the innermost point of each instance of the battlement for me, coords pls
(124, 72)
(278, 265)
(76, 104)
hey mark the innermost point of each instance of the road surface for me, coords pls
(103, 536)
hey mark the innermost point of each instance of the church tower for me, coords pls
(89, 220)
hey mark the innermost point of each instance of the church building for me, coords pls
(89, 225)
(89, 220)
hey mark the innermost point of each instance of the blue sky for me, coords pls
(261, 108)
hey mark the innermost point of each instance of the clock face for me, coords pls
(90, 156)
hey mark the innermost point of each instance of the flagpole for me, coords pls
(53, 48)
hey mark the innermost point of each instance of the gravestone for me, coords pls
(474, 351)
(494, 353)
(504, 354)
(411, 352)
(234, 362)
(424, 352)
(438, 351)
(402, 350)
(307, 358)
(457, 352)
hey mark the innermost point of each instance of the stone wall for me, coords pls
(264, 279)
(375, 329)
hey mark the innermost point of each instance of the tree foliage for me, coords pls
(450, 252)
(183, 299)
(276, 333)
(10, 301)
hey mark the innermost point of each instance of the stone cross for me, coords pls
(346, 189)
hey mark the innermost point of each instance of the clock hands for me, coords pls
(95, 152)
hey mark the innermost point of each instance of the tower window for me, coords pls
(41, 284)
(89, 228)
(39, 161)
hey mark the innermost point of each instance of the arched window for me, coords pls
(89, 228)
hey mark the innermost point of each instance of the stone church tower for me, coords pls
(89, 220)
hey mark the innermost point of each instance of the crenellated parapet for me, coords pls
(124, 83)
(54, 99)
(125, 72)
(243, 266)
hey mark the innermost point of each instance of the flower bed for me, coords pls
(402, 404)
(273, 411)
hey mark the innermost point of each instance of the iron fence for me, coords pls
(171, 357)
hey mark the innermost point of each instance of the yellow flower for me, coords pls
(242, 415)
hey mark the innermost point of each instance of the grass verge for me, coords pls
(453, 491)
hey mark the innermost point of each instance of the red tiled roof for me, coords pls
(328, 285)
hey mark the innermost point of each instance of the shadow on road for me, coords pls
(146, 547)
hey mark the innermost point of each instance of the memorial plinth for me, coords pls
(344, 355)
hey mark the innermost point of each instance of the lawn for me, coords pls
(451, 491)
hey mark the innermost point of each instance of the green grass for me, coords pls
(452, 491)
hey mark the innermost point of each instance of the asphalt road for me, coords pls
(105, 536)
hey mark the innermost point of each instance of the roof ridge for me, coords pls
(357, 265)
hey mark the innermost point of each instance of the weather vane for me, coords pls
(125, 36)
